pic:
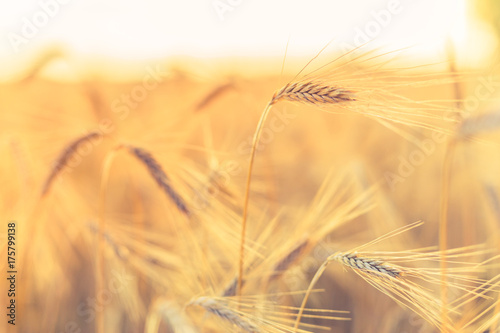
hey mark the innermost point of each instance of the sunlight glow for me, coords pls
(132, 30)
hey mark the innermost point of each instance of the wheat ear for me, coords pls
(214, 306)
(63, 159)
(374, 267)
(368, 265)
(289, 259)
(213, 95)
(314, 93)
(156, 171)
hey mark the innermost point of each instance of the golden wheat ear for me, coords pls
(157, 173)
(213, 95)
(63, 159)
(257, 314)
(317, 93)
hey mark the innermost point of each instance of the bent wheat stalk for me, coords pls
(372, 92)
(310, 92)
(382, 271)
(100, 274)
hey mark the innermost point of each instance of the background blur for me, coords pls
(112, 32)
(186, 80)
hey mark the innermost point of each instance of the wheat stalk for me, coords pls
(309, 92)
(399, 283)
(445, 189)
(358, 91)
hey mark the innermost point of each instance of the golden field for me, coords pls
(128, 199)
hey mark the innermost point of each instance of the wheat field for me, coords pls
(349, 194)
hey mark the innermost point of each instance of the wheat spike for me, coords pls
(208, 99)
(63, 159)
(223, 312)
(314, 93)
(477, 125)
(368, 265)
(159, 176)
(291, 258)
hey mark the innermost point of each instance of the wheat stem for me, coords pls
(255, 140)
(315, 279)
(445, 189)
(443, 225)
(100, 274)
(310, 92)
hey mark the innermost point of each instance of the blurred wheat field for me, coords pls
(129, 197)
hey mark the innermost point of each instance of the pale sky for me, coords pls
(141, 30)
